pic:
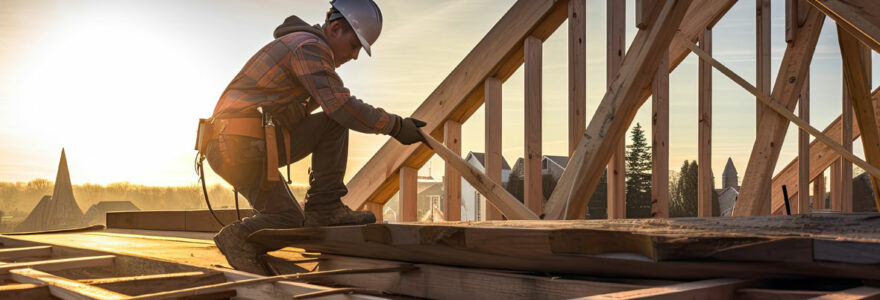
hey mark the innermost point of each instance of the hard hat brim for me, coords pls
(364, 43)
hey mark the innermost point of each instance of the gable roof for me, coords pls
(96, 213)
(57, 211)
(481, 158)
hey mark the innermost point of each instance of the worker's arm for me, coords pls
(313, 65)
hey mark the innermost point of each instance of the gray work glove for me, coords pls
(408, 131)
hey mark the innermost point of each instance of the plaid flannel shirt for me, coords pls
(298, 69)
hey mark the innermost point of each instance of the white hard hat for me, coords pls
(364, 17)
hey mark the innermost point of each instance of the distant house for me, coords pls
(97, 213)
(473, 205)
(551, 170)
(430, 190)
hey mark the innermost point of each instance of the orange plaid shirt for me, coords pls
(298, 69)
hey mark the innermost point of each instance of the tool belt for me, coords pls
(262, 127)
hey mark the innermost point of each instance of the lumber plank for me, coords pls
(615, 53)
(753, 199)
(34, 251)
(409, 194)
(613, 116)
(61, 264)
(533, 195)
(846, 169)
(577, 72)
(24, 291)
(377, 210)
(192, 220)
(860, 18)
(462, 283)
(836, 186)
(660, 141)
(704, 289)
(862, 292)
(137, 285)
(62, 287)
(705, 178)
(494, 192)
(770, 294)
(494, 130)
(819, 192)
(763, 47)
(857, 70)
(452, 180)
(498, 55)
(803, 188)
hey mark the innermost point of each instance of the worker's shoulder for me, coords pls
(300, 39)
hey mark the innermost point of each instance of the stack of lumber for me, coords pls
(820, 246)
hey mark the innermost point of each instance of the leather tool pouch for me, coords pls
(203, 134)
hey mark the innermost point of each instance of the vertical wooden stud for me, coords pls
(803, 205)
(762, 76)
(577, 72)
(846, 169)
(615, 54)
(704, 147)
(819, 192)
(409, 194)
(836, 186)
(660, 141)
(452, 180)
(532, 175)
(493, 141)
(376, 208)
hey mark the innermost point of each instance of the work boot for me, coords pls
(334, 213)
(241, 255)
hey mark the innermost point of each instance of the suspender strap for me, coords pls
(287, 153)
(272, 174)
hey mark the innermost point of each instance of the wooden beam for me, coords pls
(819, 192)
(60, 264)
(821, 158)
(705, 178)
(577, 72)
(616, 49)
(660, 141)
(791, 20)
(803, 205)
(62, 287)
(35, 251)
(762, 76)
(704, 289)
(494, 130)
(771, 294)
(532, 171)
(452, 180)
(862, 292)
(497, 55)
(846, 169)
(754, 197)
(409, 195)
(857, 77)
(494, 192)
(646, 13)
(463, 283)
(617, 109)
(24, 291)
(143, 284)
(836, 186)
(861, 18)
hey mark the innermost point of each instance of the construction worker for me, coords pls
(264, 121)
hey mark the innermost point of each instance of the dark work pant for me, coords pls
(241, 161)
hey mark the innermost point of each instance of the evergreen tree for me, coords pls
(684, 194)
(638, 175)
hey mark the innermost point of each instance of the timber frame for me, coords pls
(668, 32)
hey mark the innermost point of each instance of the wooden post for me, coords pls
(791, 20)
(819, 192)
(762, 75)
(857, 77)
(660, 141)
(754, 198)
(803, 205)
(409, 195)
(616, 205)
(493, 141)
(532, 175)
(704, 146)
(376, 208)
(452, 180)
(846, 170)
(836, 186)
(577, 72)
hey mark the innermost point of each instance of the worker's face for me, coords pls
(343, 42)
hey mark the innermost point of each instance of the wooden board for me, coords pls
(193, 220)
(452, 180)
(533, 157)
(144, 284)
(861, 18)
(493, 140)
(24, 291)
(753, 199)
(803, 188)
(409, 195)
(35, 251)
(763, 47)
(706, 289)
(494, 192)
(705, 178)
(62, 287)
(857, 293)
(616, 168)
(660, 141)
(577, 72)
(60, 264)
(651, 248)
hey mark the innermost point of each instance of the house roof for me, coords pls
(559, 160)
(57, 211)
(481, 158)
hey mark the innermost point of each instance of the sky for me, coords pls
(121, 84)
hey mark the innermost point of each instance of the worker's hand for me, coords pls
(408, 133)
